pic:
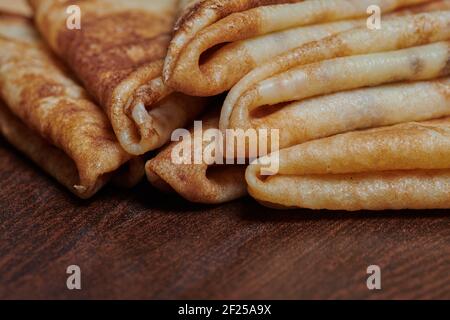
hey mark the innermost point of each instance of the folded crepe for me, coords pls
(353, 80)
(50, 119)
(204, 181)
(406, 166)
(118, 54)
(217, 42)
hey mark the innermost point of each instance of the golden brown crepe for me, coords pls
(50, 118)
(16, 7)
(217, 42)
(118, 54)
(202, 183)
(406, 166)
(290, 93)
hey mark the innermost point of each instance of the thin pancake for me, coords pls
(406, 166)
(49, 117)
(118, 54)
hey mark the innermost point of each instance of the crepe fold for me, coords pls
(406, 166)
(118, 54)
(217, 42)
(353, 80)
(175, 168)
(48, 116)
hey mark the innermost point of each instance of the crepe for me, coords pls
(50, 118)
(217, 42)
(290, 93)
(406, 166)
(357, 109)
(204, 182)
(118, 54)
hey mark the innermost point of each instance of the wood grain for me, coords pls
(143, 244)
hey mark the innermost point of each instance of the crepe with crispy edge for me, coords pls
(217, 42)
(118, 54)
(50, 118)
(287, 94)
(406, 166)
(201, 182)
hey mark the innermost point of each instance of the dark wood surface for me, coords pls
(143, 244)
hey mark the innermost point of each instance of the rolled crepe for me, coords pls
(202, 181)
(118, 54)
(285, 94)
(50, 118)
(357, 109)
(406, 166)
(217, 42)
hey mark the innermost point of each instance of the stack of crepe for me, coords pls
(356, 107)
(314, 70)
(117, 55)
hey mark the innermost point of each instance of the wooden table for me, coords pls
(144, 244)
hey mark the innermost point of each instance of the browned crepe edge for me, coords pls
(51, 159)
(197, 182)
